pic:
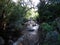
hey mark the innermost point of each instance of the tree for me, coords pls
(11, 18)
(48, 11)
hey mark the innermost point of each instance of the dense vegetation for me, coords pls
(49, 16)
(14, 15)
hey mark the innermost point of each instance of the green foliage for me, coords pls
(46, 27)
(59, 37)
(48, 12)
(47, 16)
(12, 13)
(31, 13)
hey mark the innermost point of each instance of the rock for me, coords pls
(52, 38)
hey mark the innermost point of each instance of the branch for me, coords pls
(28, 9)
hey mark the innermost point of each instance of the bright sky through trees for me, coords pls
(30, 4)
(34, 2)
(15, 1)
